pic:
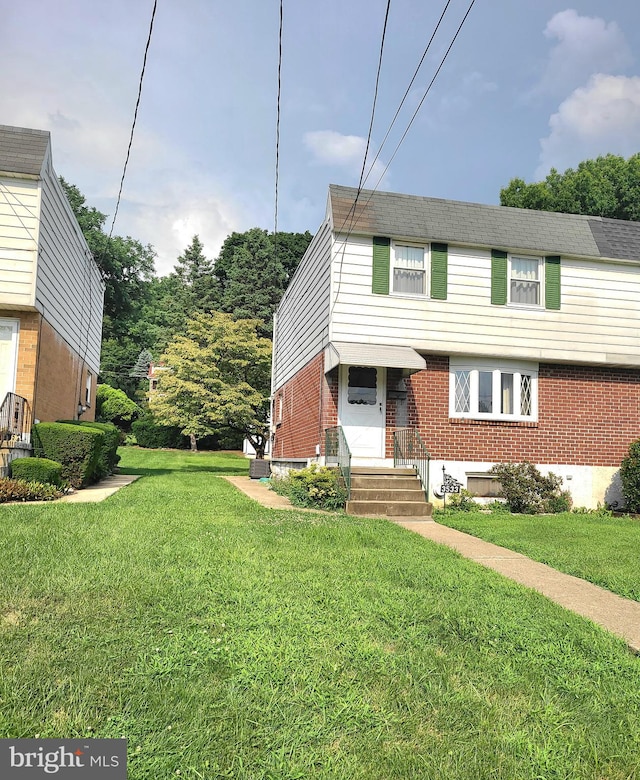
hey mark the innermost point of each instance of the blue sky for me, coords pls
(527, 86)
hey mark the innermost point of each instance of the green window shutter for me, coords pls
(498, 277)
(552, 282)
(381, 260)
(439, 253)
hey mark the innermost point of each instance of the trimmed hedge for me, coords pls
(76, 447)
(109, 457)
(153, 436)
(43, 470)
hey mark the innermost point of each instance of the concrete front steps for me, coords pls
(387, 492)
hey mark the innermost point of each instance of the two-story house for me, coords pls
(51, 290)
(499, 334)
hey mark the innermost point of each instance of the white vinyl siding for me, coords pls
(19, 210)
(302, 318)
(598, 323)
(69, 287)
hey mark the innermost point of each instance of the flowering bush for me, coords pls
(317, 487)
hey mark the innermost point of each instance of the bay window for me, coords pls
(500, 390)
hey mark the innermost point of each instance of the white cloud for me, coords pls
(602, 117)
(344, 151)
(585, 45)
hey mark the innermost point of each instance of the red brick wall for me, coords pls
(60, 379)
(309, 405)
(586, 416)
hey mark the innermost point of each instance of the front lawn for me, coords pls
(226, 640)
(596, 547)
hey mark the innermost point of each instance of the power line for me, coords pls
(135, 116)
(277, 172)
(404, 135)
(375, 95)
(352, 209)
(408, 89)
(419, 106)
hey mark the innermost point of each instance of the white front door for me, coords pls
(362, 409)
(8, 356)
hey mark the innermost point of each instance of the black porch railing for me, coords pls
(337, 453)
(15, 421)
(409, 450)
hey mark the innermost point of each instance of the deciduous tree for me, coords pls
(218, 377)
(608, 186)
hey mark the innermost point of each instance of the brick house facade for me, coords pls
(499, 334)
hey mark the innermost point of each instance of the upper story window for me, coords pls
(501, 390)
(409, 274)
(525, 281)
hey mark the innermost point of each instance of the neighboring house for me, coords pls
(51, 290)
(500, 334)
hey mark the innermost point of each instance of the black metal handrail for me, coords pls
(337, 453)
(15, 421)
(409, 450)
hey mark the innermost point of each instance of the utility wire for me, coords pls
(277, 172)
(419, 106)
(352, 209)
(371, 193)
(406, 94)
(135, 116)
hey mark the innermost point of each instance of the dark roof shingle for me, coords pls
(22, 150)
(474, 224)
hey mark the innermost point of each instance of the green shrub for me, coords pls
(41, 470)
(527, 491)
(19, 490)
(630, 478)
(76, 447)
(317, 487)
(462, 501)
(116, 407)
(109, 457)
(149, 434)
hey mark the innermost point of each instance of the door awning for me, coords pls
(346, 353)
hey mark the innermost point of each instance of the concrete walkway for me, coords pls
(619, 615)
(103, 489)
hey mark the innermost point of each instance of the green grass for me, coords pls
(226, 640)
(596, 547)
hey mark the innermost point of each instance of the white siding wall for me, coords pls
(599, 320)
(69, 288)
(19, 209)
(302, 323)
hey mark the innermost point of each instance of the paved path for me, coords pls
(103, 489)
(619, 615)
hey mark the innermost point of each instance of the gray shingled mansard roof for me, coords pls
(22, 150)
(500, 227)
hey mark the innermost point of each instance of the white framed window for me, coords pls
(525, 281)
(409, 269)
(88, 388)
(493, 390)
